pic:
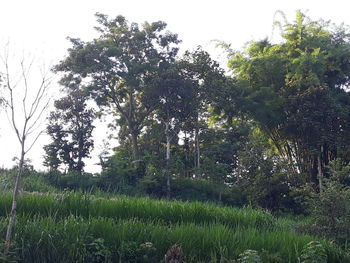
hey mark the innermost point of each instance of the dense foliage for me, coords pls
(272, 132)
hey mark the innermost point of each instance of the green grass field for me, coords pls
(82, 228)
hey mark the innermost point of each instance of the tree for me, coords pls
(70, 128)
(173, 98)
(117, 66)
(294, 90)
(208, 82)
(330, 213)
(26, 107)
(182, 93)
(220, 147)
(263, 176)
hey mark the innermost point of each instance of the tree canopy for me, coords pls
(70, 128)
(277, 122)
(296, 90)
(120, 66)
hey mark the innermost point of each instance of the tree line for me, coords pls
(273, 131)
(281, 114)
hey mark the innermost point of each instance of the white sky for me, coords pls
(40, 28)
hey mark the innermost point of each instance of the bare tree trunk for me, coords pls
(187, 153)
(320, 173)
(168, 139)
(197, 149)
(14, 202)
(31, 114)
(135, 148)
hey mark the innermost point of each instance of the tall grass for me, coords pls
(64, 228)
(61, 206)
(44, 239)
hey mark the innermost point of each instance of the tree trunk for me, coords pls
(198, 151)
(197, 148)
(187, 153)
(168, 139)
(135, 147)
(320, 173)
(14, 202)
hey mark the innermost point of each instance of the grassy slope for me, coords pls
(57, 229)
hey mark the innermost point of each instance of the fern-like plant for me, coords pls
(313, 252)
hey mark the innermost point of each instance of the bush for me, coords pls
(186, 189)
(97, 252)
(313, 252)
(120, 174)
(7, 180)
(32, 181)
(36, 182)
(131, 252)
(330, 212)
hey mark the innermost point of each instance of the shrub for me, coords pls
(7, 180)
(186, 189)
(76, 180)
(132, 252)
(97, 252)
(313, 252)
(330, 212)
(37, 183)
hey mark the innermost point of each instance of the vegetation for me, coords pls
(228, 150)
(122, 227)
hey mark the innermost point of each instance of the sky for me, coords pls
(38, 29)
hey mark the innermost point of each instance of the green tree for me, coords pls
(208, 82)
(220, 147)
(330, 212)
(263, 176)
(294, 90)
(119, 67)
(70, 128)
(173, 105)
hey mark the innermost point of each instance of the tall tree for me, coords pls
(173, 103)
(70, 128)
(117, 66)
(295, 91)
(208, 82)
(25, 106)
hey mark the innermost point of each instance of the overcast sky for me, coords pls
(40, 28)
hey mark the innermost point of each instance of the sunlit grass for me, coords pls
(140, 208)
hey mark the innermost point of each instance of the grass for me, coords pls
(44, 239)
(66, 228)
(140, 208)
